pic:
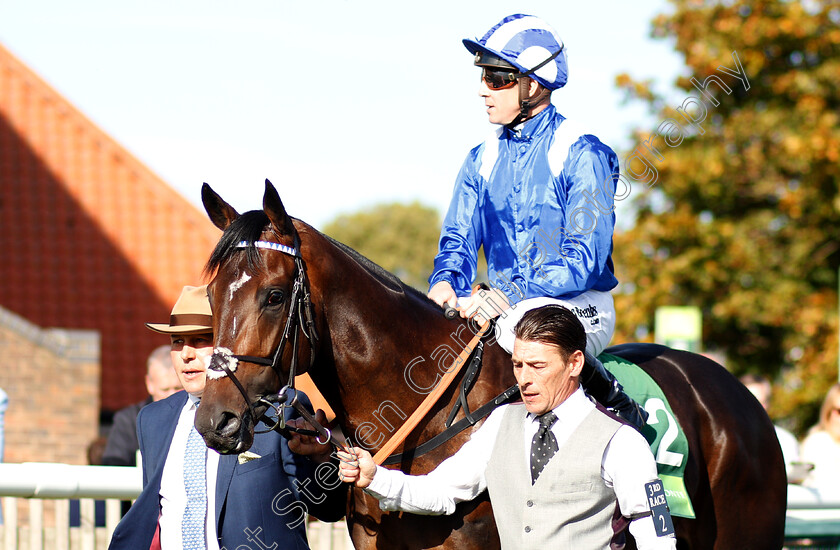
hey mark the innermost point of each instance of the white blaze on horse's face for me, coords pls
(233, 289)
(237, 284)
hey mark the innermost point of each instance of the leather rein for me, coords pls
(301, 319)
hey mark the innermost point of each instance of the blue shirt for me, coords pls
(541, 202)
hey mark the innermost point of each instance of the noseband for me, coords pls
(301, 319)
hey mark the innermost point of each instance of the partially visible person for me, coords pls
(161, 382)
(560, 471)
(193, 498)
(821, 447)
(96, 450)
(94, 456)
(4, 404)
(761, 388)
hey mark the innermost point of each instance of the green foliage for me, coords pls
(401, 238)
(744, 218)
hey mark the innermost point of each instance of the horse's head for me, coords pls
(261, 318)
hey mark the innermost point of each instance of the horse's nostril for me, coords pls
(229, 425)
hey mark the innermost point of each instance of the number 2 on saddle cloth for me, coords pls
(665, 436)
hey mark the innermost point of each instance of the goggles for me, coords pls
(498, 80)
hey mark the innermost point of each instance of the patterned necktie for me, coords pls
(195, 472)
(543, 446)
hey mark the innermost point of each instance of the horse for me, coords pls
(374, 348)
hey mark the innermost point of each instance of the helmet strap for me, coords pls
(543, 64)
(526, 102)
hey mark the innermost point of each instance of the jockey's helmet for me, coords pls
(526, 44)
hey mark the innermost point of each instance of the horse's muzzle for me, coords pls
(227, 432)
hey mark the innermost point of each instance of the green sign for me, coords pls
(679, 327)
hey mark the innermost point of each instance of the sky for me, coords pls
(342, 104)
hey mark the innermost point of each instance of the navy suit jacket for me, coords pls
(258, 503)
(121, 449)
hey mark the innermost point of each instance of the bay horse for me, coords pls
(374, 347)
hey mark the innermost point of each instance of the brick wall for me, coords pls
(52, 379)
(90, 238)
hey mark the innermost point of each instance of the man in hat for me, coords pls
(561, 471)
(194, 498)
(537, 195)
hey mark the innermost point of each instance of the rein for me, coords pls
(432, 398)
(470, 420)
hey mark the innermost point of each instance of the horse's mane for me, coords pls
(380, 273)
(249, 226)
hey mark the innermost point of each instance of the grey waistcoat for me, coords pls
(569, 506)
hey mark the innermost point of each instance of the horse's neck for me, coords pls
(354, 296)
(387, 347)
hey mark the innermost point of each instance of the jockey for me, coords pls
(538, 196)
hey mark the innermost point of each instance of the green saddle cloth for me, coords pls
(665, 436)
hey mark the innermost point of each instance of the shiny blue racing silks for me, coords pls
(541, 202)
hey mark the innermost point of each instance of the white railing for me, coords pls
(812, 517)
(36, 507)
(44, 521)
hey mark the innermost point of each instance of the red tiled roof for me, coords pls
(89, 237)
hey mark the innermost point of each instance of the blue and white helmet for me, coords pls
(529, 44)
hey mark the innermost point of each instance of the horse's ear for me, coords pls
(221, 213)
(275, 210)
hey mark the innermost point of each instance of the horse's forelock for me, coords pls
(248, 227)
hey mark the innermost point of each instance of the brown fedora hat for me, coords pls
(190, 315)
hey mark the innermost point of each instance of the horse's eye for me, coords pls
(275, 297)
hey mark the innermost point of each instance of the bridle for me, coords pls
(300, 319)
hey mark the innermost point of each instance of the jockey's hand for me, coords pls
(484, 305)
(356, 467)
(442, 293)
(308, 444)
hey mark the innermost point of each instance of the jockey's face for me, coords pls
(502, 105)
(545, 379)
(190, 353)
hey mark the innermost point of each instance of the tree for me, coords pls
(401, 238)
(736, 192)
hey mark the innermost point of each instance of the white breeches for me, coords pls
(596, 311)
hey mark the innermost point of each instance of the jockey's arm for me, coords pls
(577, 247)
(460, 235)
